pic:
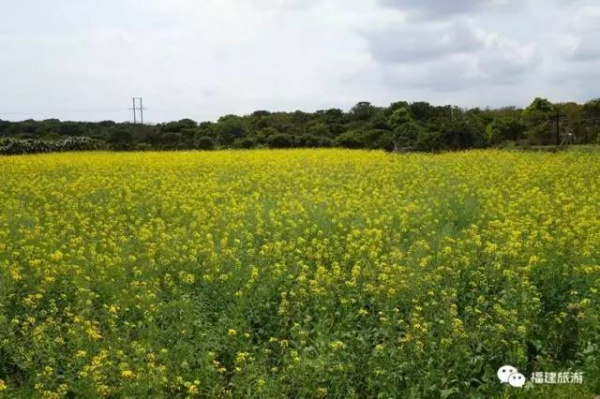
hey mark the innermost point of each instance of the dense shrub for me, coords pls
(12, 146)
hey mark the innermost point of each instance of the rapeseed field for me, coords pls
(300, 273)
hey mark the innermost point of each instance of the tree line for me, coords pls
(402, 126)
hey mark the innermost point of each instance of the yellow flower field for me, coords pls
(300, 273)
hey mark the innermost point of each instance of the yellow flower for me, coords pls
(127, 374)
(193, 389)
(315, 238)
(57, 256)
(337, 345)
(81, 353)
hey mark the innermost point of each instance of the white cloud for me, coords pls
(584, 49)
(580, 35)
(507, 61)
(417, 43)
(450, 56)
(445, 75)
(204, 59)
(445, 8)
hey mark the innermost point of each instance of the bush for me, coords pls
(281, 140)
(10, 146)
(351, 139)
(313, 141)
(80, 144)
(246, 142)
(204, 143)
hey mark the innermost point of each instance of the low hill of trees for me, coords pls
(402, 126)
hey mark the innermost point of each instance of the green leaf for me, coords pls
(447, 392)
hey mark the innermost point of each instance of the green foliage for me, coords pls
(313, 141)
(506, 129)
(422, 111)
(246, 142)
(407, 134)
(540, 106)
(351, 139)
(204, 143)
(318, 128)
(378, 139)
(399, 117)
(280, 140)
(401, 126)
(428, 140)
(11, 146)
(230, 128)
(461, 133)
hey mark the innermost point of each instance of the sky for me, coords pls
(202, 59)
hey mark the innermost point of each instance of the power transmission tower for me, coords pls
(136, 108)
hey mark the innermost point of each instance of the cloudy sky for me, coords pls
(84, 60)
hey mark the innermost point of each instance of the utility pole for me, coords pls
(135, 109)
(141, 111)
(556, 119)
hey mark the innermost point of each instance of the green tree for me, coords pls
(506, 128)
(379, 139)
(539, 106)
(394, 106)
(312, 141)
(406, 134)
(281, 140)
(428, 140)
(121, 137)
(318, 128)
(591, 132)
(591, 109)
(362, 111)
(350, 139)
(460, 133)
(400, 117)
(263, 134)
(230, 128)
(379, 121)
(421, 111)
(244, 142)
(537, 116)
(204, 143)
(279, 121)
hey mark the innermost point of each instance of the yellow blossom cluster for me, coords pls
(297, 273)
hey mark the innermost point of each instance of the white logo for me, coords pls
(516, 380)
(510, 375)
